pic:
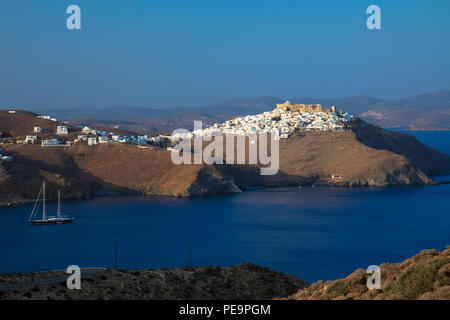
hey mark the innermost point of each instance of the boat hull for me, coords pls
(51, 221)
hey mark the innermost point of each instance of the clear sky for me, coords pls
(166, 53)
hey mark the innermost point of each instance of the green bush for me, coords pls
(338, 288)
(419, 279)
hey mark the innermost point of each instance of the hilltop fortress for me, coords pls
(311, 108)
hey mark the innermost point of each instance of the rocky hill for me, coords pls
(244, 282)
(424, 276)
(364, 155)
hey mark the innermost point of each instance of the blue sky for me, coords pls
(194, 53)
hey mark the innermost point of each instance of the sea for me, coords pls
(316, 233)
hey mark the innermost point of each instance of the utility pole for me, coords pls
(189, 253)
(115, 254)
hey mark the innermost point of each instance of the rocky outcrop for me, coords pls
(422, 277)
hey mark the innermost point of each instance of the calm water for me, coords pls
(315, 233)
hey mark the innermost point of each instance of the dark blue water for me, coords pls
(315, 233)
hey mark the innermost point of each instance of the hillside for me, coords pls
(245, 281)
(425, 276)
(21, 124)
(363, 156)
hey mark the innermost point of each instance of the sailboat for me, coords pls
(58, 219)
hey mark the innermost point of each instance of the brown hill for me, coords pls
(22, 123)
(362, 156)
(424, 276)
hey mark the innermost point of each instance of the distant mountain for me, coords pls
(429, 111)
(429, 101)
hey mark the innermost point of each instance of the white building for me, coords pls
(62, 130)
(92, 141)
(103, 139)
(82, 137)
(86, 130)
(50, 142)
(30, 140)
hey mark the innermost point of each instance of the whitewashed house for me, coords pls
(115, 138)
(103, 139)
(86, 130)
(81, 137)
(50, 142)
(62, 130)
(92, 141)
(30, 140)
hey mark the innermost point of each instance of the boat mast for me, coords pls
(33, 212)
(44, 208)
(59, 204)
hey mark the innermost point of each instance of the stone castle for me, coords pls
(312, 108)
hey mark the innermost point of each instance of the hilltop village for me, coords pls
(287, 118)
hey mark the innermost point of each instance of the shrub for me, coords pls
(338, 288)
(419, 279)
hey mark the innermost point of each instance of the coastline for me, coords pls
(116, 194)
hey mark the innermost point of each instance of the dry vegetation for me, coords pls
(424, 276)
(245, 281)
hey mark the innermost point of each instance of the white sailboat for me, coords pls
(58, 219)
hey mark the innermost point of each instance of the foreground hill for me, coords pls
(424, 276)
(364, 155)
(244, 282)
